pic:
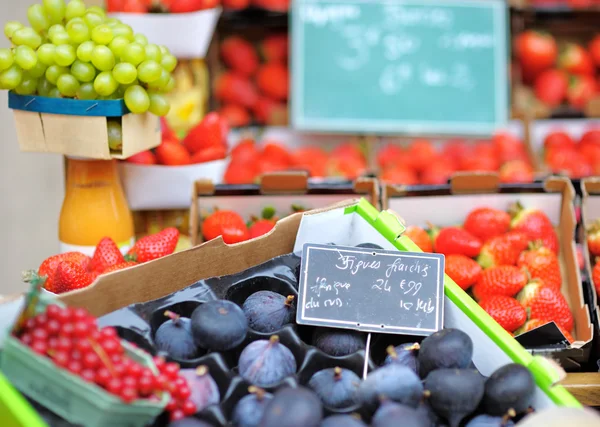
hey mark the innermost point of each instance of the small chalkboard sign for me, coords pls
(371, 290)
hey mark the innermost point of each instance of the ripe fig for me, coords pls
(490, 421)
(293, 407)
(448, 348)
(343, 421)
(337, 387)
(395, 382)
(368, 246)
(219, 325)
(250, 409)
(174, 337)
(454, 394)
(268, 311)
(265, 363)
(338, 342)
(205, 391)
(404, 354)
(394, 414)
(427, 411)
(510, 387)
(189, 422)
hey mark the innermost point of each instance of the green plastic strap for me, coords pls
(15, 410)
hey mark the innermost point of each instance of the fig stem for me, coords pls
(274, 339)
(289, 300)
(201, 370)
(356, 416)
(415, 347)
(337, 373)
(257, 391)
(173, 316)
(426, 394)
(511, 413)
(391, 351)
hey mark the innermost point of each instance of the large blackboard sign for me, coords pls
(371, 290)
(399, 66)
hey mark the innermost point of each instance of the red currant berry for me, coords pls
(67, 329)
(80, 329)
(61, 358)
(177, 414)
(39, 334)
(161, 381)
(74, 366)
(128, 394)
(182, 393)
(63, 316)
(135, 370)
(64, 344)
(129, 382)
(91, 360)
(145, 385)
(30, 324)
(52, 343)
(76, 355)
(180, 382)
(53, 327)
(52, 311)
(116, 358)
(111, 346)
(83, 345)
(78, 313)
(114, 386)
(26, 339)
(119, 369)
(189, 408)
(103, 376)
(172, 405)
(40, 320)
(171, 370)
(159, 362)
(146, 372)
(88, 374)
(94, 335)
(108, 332)
(40, 347)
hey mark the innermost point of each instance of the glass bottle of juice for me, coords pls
(94, 207)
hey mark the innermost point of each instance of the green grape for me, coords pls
(137, 100)
(39, 70)
(169, 86)
(105, 84)
(28, 86)
(55, 29)
(44, 87)
(149, 71)
(159, 104)
(112, 22)
(118, 44)
(97, 10)
(11, 78)
(103, 58)
(85, 50)
(54, 93)
(78, 20)
(169, 62)
(6, 58)
(64, 55)
(120, 92)
(123, 30)
(134, 53)
(75, 9)
(83, 71)
(115, 135)
(28, 37)
(11, 27)
(55, 9)
(68, 85)
(54, 72)
(87, 91)
(162, 81)
(102, 34)
(153, 52)
(163, 50)
(25, 57)
(45, 53)
(78, 32)
(93, 19)
(140, 39)
(37, 18)
(125, 73)
(60, 38)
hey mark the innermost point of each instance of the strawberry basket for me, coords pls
(68, 395)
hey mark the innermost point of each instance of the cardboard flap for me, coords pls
(466, 182)
(590, 186)
(284, 182)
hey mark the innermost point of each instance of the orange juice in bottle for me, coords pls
(94, 207)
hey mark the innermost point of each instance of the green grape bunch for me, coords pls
(74, 51)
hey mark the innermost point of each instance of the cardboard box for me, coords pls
(150, 187)
(590, 212)
(280, 191)
(348, 223)
(81, 128)
(186, 35)
(449, 205)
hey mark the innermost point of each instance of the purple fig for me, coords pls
(205, 391)
(265, 363)
(268, 311)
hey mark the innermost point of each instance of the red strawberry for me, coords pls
(70, 276)
(582, 89)
(154, 246)
(106, 255)
(312, 159)
(48, 266)
(505, 310)
(503, 250)
(239, 55)
(485, 223)
(270, 112)
(535, 224)
(236, 4)
(261, 227)
(239, 172)
(542, 263)
(167, 132)
(212, 131)
(463, 270)
(558, 140)
(274, 48)
(546, 303)
(121, 266)
(536, 323)
(569, 162)
(576, 60)
(273, 81)
(420, 153)
(505, 280)
(209, 154)
(143, 158)
(516, 171)
(231, 87)
(227, 224)
(235, 115)
(172, 154)
(399, 175)
(596, 277)
(273, 5)
(390, 155)
(437, 172)
(551, 87)
(420, 237)
(455, 240)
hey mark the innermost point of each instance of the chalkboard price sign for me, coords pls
(371, 290)
(399, 66)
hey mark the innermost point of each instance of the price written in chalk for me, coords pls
(371, 290)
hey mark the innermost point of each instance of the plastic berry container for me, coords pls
(68, 395)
